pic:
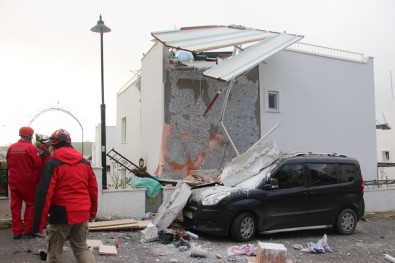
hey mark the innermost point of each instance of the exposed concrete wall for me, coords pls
(194, 141)
(326, 105)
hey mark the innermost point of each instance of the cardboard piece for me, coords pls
(271, 253)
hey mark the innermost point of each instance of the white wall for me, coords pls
(379, 200)
(326, 105)
(152, 109)
(129, 106)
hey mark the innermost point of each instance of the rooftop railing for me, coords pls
(327, 52)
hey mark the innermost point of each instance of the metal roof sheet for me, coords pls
(249, 58)
(209, 38)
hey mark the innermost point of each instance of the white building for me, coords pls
(180, 116)
(386, 147)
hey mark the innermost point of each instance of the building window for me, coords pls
(272, 101)
(123, 130)
(386, 156)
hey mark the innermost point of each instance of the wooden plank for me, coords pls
(142, 224)
(111, 223)
(136, 225)
(108, 250)
(115, 227)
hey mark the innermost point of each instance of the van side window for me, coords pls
(323, 174)
(290, 176)
(348, 172)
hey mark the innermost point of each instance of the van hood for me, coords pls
(215, 192)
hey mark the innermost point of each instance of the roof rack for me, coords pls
(318, 154)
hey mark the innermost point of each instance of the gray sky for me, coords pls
(50, 58)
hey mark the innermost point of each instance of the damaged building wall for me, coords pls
(193, 141)
(326, 104)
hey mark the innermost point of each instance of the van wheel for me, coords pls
(346, 222)
(243, 227)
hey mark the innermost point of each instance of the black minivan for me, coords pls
(296, 192)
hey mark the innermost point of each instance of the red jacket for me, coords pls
(67, 190)
(24, 166)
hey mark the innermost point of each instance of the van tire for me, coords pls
(346, 222)
(243, 227)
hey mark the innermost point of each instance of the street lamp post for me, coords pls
(101, 28)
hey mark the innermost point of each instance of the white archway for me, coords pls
(64, 111)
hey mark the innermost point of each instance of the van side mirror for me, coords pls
(273, 183)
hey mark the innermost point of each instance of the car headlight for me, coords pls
(214, 198)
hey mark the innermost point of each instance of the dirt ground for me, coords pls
(373, 238)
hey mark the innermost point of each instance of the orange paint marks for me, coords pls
(184, 169)
(163, 149)
(184, 136)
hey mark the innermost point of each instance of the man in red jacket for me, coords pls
(24, 166)
(67, 197)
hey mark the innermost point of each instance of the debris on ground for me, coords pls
(321, 246)
(298, 246)
(249, 250)
(150, 233)
(198, 251)
(192, 235)
(389, 258)
(108, 250)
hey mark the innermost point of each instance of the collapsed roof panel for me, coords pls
(204, 38)
(209, 38)
(249, 58)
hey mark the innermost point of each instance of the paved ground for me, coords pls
(372, 239)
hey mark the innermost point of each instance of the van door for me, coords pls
(286, 206)
(323, 193)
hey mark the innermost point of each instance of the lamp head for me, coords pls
(100, 27)
(141, 162)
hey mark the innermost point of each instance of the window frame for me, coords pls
(276, 95)
(123, 129)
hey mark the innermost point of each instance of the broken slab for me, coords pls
(94, 243)
(108, 250)
(249, 164)
(168, 211)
